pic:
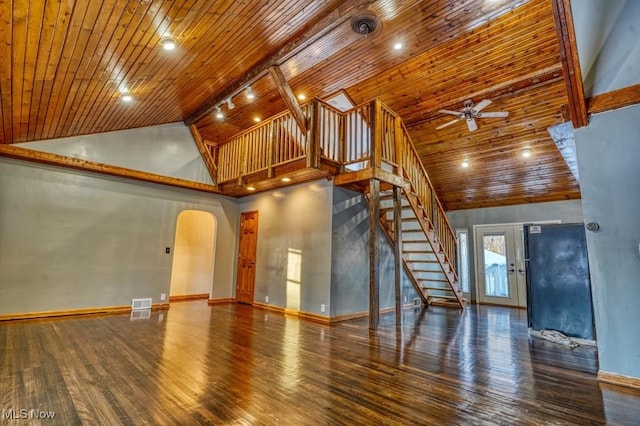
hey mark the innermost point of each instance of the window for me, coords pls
(463, 259)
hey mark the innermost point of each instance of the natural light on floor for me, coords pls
(294, 275)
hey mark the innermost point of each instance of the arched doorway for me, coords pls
(193, 256)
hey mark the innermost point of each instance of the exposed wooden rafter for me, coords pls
(12, 151)
(323, 26)
(289, 98)
(570, 63)
(614, 100)
(205, 153)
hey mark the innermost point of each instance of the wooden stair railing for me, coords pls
(369, 136)
(398, 153)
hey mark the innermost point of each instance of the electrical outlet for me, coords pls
(266, 299)
(167, 250)
(163, 296)
(322, 308)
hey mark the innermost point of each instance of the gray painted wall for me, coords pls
(565, 211)
(167, 150)
(350, 258)
(608, 154)
(71, 239)
(608, 38)
(296, 218)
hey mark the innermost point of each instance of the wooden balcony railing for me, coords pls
(369, 135)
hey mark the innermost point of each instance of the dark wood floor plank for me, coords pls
(197, 364)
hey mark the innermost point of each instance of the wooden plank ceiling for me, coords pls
(63, 66)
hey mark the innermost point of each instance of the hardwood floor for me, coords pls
(235, 365)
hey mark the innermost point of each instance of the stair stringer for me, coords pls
(427, 227)
(444, 270)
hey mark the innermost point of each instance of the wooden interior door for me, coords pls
(247, 257)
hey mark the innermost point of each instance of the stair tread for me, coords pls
(443, 297)
(437, 288)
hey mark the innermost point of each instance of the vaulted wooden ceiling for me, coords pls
(63, 66)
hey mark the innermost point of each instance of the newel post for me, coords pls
(313, 135)
(399, 142)
(375, 109)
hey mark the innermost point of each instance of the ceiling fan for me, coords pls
(470, 112)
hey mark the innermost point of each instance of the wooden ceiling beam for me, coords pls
(205, 153)
(570, 62)
(19, 153)
(323, 26)
(614, 100)
(512, 87)
(289, 98)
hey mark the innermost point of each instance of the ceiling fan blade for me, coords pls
(494, 114)
(448, 111)
(481, 105)
(471, 124)
(447, 124)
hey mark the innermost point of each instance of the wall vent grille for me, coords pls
(140, 304)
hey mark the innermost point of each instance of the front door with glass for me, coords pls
(500, 271)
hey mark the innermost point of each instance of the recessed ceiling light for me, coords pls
(397, 46)
(126, 97)
(257, 119)
(526, 152)
(251, 188)
(301, 96)
(286, 179)
(465, 163)
(168, 43)
(250, 94)
(219, 113)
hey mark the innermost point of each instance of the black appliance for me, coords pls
(558, 283)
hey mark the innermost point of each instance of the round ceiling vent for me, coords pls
(365, 22)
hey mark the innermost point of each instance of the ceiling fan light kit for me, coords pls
(470, 113)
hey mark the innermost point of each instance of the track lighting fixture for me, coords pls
(230, 104)
(219, 113)
(250, 94)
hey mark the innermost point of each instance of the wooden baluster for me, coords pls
(271, 140)
(342, 140)
(243, 159)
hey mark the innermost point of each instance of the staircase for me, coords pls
(355, 147)
(429, 270)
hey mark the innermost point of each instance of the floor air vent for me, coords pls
(140, 304)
